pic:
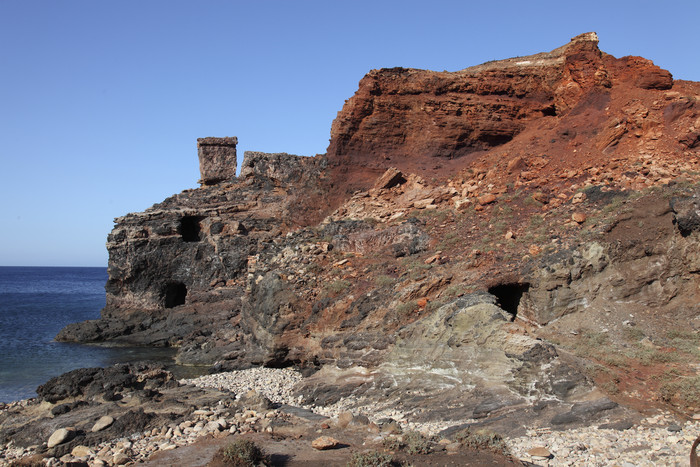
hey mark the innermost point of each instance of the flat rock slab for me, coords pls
(60, 436)
(102, 423)
(302, 413)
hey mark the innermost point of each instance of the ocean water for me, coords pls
(35, 303)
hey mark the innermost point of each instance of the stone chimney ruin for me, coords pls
(217, 159)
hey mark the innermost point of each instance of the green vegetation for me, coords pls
(242, 452)
(646, 355)
(407, 308)
(610, 387)
(392, 443)
(370, 459)
(415, 267)
(432, 306)
(536, 220)
(683, 389)
(685, 341)
(614, 206)
(530, 201)
(449, 241)
(633, 334)
(383, 280)
(482, 440)
(595, 345)
(337, 286)
(455, 290)
(434, 216)
(416, 443)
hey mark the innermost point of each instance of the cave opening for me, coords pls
(190, 228)
(550, 111)
(174, 294)
(509, 295)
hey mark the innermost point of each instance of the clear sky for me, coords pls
(101, 102)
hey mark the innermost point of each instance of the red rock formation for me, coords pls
(419, 120)
(501, 183)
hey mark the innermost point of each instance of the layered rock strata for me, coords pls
(419, 120)
(457, 219)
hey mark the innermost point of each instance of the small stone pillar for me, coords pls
(217, 159)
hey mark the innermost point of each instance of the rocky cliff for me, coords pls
(473, 238)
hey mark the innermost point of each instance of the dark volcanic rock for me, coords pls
(686, 213)
(584, 411)
(183, 265)
(91, 382)
(217, 159)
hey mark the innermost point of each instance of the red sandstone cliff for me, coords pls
(430, 122)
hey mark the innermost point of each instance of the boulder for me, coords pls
(323, 443)
(390, 179)
(60, 436)
(686, 213)
(102, 423)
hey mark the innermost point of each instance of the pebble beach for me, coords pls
(660, 440)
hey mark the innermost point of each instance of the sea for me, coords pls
(35, 303)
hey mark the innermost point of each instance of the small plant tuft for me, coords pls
(392, 443)
(484, 440)
(407, 308)
(242, 453)
(337, 286)
(370, 459)
(416, 443)
(383, 280)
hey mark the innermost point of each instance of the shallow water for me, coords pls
(35, 303)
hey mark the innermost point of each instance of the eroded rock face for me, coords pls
(178, 270)
(406, 117)
(645, 261)
(466, 361)
(436, 185)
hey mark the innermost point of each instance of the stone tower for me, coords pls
(217, 159)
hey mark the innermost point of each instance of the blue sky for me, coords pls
(101, 102)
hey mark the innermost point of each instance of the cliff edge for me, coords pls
(471, 240)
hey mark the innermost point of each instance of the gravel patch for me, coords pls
(274, 383)
(657, 441)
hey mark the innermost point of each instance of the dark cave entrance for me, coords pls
(509, 296)
(174, 294)
(189, 228)
(549, 111)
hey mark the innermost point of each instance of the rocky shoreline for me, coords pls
(500, 261)
(265, 401)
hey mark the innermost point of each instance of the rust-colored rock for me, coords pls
(486, 199)
(578, 217)
(534, 250)
(391, 178)
(540, 197)
(421, 121)
(323, 443)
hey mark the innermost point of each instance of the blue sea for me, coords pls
(35, 303)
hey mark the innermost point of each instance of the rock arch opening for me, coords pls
(190, 228)
(174, 294)
(509, 295)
